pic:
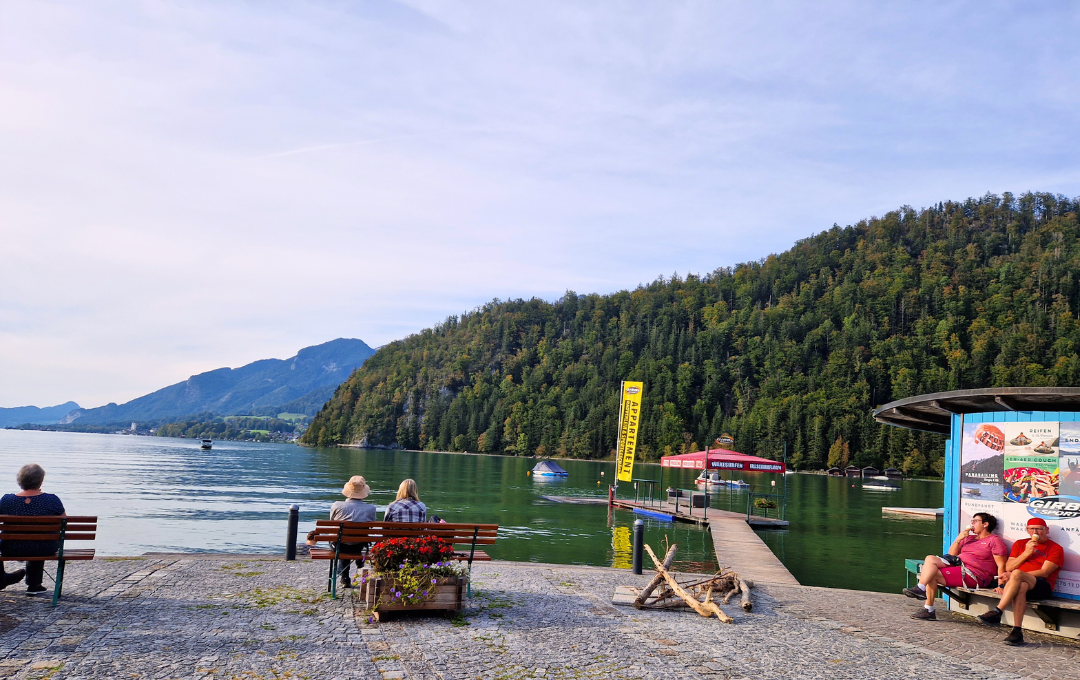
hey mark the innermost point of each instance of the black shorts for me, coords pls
(1041, 590)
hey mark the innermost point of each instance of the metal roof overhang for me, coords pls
(933, 412)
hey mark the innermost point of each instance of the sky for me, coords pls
(185, 186)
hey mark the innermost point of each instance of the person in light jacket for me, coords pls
(353, 509)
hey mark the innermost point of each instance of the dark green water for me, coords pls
(158, 494)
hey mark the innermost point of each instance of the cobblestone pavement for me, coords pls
(250, 618)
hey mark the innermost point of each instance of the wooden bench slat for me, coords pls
(77, 554)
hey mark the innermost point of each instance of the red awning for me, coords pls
(722, 459)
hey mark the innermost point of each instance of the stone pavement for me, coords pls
(251, 618)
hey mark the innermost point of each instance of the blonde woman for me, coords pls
(407, 507)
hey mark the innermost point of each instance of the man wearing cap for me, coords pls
(354, 509)
(1030, 574)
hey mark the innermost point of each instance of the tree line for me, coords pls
(798, 347)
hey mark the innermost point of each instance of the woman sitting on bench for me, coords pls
(30, 501)
(407, 506)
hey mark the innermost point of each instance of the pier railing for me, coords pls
(776, 500)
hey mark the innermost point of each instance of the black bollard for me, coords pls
(639, 543)
(290, 538)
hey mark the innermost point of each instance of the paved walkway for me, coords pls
(229, 618)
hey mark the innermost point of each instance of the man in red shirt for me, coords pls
(1030, 574)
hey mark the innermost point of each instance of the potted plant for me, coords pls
(413, 574)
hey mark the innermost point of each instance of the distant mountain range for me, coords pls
(298, 385)
(50, 415)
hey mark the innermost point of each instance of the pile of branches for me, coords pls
(703, 595)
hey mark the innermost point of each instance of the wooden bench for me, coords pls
(1049, 609)
(50, 528)
(338, 533)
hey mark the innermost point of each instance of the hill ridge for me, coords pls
(797, 347)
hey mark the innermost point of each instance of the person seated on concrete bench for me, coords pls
(974, 558)
(354, 509)
(407, 506)
(31, 501)
(1031, 574)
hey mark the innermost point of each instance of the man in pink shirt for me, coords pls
(975, 558)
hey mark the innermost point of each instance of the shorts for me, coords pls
(1041, 590)
(954, 578)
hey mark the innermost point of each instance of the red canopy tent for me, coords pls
(722, 459)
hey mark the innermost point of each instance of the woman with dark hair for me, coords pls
(28, 502)
(976, 558)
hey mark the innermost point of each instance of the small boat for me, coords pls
(712, 478)
(880, 486)
(547, 468)
(971, 491)
(208, 443)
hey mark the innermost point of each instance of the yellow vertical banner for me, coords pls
(629, 418)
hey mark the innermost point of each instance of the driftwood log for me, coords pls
(744, 586)
(658, 579)
(707, 608)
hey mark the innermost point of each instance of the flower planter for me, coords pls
(449, 595)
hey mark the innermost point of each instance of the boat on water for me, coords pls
(208, 443)
(880, 486)
(547, 468)
(712, 478)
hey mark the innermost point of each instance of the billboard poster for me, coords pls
(982, 461)
(1031, 460)
(970, 506)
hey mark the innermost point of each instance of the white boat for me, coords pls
(712, 478)
(207, 443)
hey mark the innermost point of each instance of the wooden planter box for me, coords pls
(449, 595)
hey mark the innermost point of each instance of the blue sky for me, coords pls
(185, 186)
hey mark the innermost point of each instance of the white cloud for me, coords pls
(186, 186)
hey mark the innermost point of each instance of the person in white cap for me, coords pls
(352, 510)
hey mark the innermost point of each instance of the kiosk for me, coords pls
(1013, 452)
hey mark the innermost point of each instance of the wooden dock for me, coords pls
(738, 547)
(734, 540)
(928, 513)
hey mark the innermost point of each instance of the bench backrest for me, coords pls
(47, 528)
(373, 532)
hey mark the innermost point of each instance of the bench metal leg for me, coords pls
(331, 583)
(58, 587)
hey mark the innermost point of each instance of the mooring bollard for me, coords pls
(639, 543)
(290, 538)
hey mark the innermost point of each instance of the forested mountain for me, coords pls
(314, 370)
(799, 346)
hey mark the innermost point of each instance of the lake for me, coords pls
(168, 495)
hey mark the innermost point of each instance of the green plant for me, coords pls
(764, 503)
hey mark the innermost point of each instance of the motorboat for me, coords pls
(208, 443)
(713, 478)
(548, 468)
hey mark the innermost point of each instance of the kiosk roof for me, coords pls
(933, 412)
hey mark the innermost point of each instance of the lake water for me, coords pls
(167, 495)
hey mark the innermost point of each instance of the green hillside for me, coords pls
(800, 346)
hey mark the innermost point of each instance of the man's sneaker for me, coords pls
(916, 593)
(1015, 637)
(991, 618)
(925, 614)
(13, 577)
(36, 590)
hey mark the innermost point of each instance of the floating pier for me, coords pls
(928, 513)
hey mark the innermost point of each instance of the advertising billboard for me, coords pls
(1020, 470)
